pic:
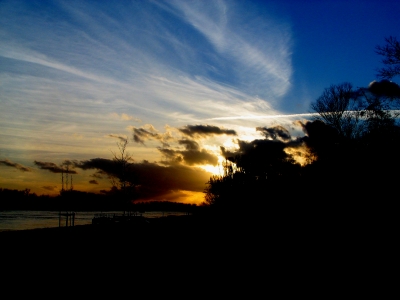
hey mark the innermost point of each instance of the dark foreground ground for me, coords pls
(179, 232)
(330, 252)
(301, 252)
(313, 256)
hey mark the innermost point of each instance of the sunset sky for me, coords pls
(179, 79)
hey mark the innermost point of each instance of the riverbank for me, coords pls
(159, 243)
(175, 231)
(144, 232)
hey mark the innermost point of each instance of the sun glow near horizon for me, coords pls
(214, 170)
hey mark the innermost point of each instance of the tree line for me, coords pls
(352, 146)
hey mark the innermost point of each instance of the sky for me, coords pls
(177, 79)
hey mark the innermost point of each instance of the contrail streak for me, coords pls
(264, 117)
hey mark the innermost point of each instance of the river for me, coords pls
(26, 219)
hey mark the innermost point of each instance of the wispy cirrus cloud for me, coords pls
(236, 72)
(258, 60)
(125, 117)
(75, 73)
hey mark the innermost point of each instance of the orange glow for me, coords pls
(301, 155)
(180, 196)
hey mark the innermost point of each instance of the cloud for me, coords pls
(278, 147)
(140, 135)
(300, 153)
(189, 144)
(255, 60)
(385, 88)
(98, 175)
(17, 166)
(205, 130)
(158, 180)
(74, 68)
(153, 180)
(249, 117)
(106, 165)
(259, 157)
(181, 196)
(93, 182)
(49, 188)
(190, 157)
(276, 132)
(300, 124)
(125, 117)
(52, 167)
(320, 138)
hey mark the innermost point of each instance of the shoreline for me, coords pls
(143, 224)
(171, 238)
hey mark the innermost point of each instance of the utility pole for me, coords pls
(66, 178)
(62, 181)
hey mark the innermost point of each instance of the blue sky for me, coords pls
(76, 75)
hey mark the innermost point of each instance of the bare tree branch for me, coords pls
(391, 60)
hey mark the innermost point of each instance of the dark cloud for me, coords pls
(93, 182)
(277, 138)
(385, 88)
(319, 131)
(228, 154)
(49, 188)
(205, 130)
(99, 174)
(155, 180)
(171, 156)
(102, 164)
(316, 130)
(17, 166)
(320, 138)
(276, 132)
(140, 135)
(260, 157)
(259, 147)
(189, 157)
(52, 167)
(189, 144)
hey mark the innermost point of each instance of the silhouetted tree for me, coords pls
(122, 178)
(340, 108)
(354, 140)
(391, 54)
(122, 160)
(254, 175)
(361, 151)
(224, 190)
(354, 113)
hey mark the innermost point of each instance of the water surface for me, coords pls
(25, 219)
